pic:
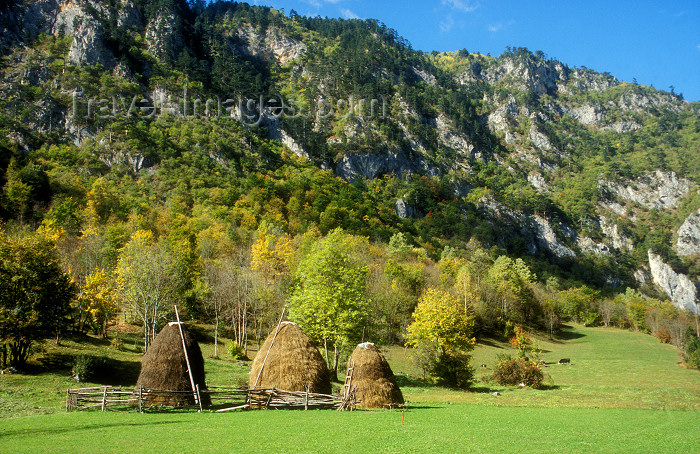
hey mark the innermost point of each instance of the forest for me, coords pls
(110, 220)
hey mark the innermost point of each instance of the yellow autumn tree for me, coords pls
(441, 335)
(98, 297)
(272, 255)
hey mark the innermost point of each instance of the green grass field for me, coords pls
(623, 392)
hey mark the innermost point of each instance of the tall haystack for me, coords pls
(292, 364)
(164, 367)
(373, 379)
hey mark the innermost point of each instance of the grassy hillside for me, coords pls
(622, 392)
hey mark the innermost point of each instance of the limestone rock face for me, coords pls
(272, 45)
(587, 114)
(88, 47)
(164, 35)
(536, 232)
(404, 210)
(659, 189)
(372, 165)
(548, 240)
(681, 290)
(688, 242)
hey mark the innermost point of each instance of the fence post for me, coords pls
(140, 398)
(104, 398)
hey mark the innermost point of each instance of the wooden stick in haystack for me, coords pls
(257, 380)
(195, 392)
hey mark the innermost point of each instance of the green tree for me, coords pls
(441, 329)
(329, 299)
(512, 281)
(35, 295)
(149, 280)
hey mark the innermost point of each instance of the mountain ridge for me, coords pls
(525, 153)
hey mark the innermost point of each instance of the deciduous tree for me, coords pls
(329, 298)
(35, 295)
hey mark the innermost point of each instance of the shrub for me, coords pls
(235, 350)
(663, 335)
(513, 371)
(521, 341)
(454, 370)
(118, 343)
(87, 368)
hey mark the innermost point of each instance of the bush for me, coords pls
(454, 370)
(692, 349)
(513, 371)
(87, 368)
(235, 350)
(118, 343)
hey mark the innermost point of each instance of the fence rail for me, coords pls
(141, 399)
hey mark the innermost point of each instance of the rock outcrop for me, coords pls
(681, 290)
(688, 242)
(373, 165)
(272, 45)
(164, 35)
(660, 189)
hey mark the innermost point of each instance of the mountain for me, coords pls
(251, 115)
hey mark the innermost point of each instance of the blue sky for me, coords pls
(655, 42)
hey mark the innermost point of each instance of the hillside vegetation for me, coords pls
(217, 157)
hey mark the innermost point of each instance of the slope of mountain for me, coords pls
(593, 179)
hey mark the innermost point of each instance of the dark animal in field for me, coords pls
(565, 361)
(484, 365)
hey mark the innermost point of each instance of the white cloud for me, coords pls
(462, 5)
(447, 24)
(318, 3)
(497, 27)
(347, 14)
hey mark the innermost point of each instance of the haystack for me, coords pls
(292, 364)
(373, 379)
(164, 367)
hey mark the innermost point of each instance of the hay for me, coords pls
(373, 379)
(293, 362)
(164, 367)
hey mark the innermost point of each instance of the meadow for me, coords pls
(622, 392)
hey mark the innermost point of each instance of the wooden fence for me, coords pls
(108, 398)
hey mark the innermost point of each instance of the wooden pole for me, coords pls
(140, 398)
(187, 360)
(104, 398)
(270, 348)
(306, 400)
(199, 399)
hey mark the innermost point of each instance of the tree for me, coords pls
(35, 295)
(98, 297)
(229, 296)
(442, 329)
(149, 280)
(512, 280)
(329, 298)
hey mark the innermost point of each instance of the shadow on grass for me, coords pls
(33, 432)
(489, 343)
(405, 381)
(107, 371)
(81, 338)
(567, 333)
